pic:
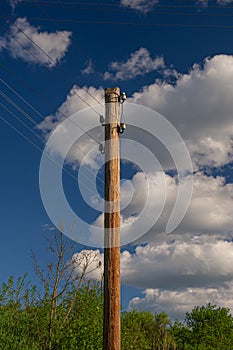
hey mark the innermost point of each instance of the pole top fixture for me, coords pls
(112, 95)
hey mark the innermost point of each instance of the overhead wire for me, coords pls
(39, 94)
(87, 133)
(183, 14)
(19, 109)
(82, 99)
(23, 99)
(117, 8)
(137, 24)
(36, 146)
(12, 103)
(70, 3)
(21, 121)
(52, 60)
(49, 57)
(54, 74)
(67, 37)
(155, 11)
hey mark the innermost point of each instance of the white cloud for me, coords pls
(175, 275)
(89, 68)
(200, 106)
(178, 275)
(139, 63)
(209, 212)
(143, 6)
(78, 99)
(89, 262)
(21, 45)
(197, 263)
(177, 303)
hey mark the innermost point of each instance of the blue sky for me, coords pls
(174, 57)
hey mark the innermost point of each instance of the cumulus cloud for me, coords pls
(209, 212)
(177, 303)
(139, 63)
(19, 43)
(197, 263)
(78, 99)
(200, 106)
(174, 275)
(142, 6)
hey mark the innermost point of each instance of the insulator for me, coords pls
(101, 148)
(122, 128)
(123, 97)
(102, 120)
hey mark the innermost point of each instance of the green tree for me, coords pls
(181, 335)
(66, 313)
(136, 329)
(143, 330)
(211, 327)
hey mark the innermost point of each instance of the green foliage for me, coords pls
(25, 320)
(211, 327)
(25, 326)
(205, 328)
(141, 330)
(68, 314)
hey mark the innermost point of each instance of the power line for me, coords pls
(21, 121)
(127, 9)
(156, 10)
(41, 96)
(19, 109)
(64, 34)
(188, 14)
(85, 132)
(23, 99)
(181, 25)
(51, 59)
(69, 3)
(12, 103)
(84, 101)
(34, 145)
(45, 53)
(38, 148)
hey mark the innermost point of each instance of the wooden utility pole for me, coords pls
(111, 331)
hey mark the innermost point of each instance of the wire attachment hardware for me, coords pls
(101, 148)
(123, 97)
(102, 120)
(122, 128)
